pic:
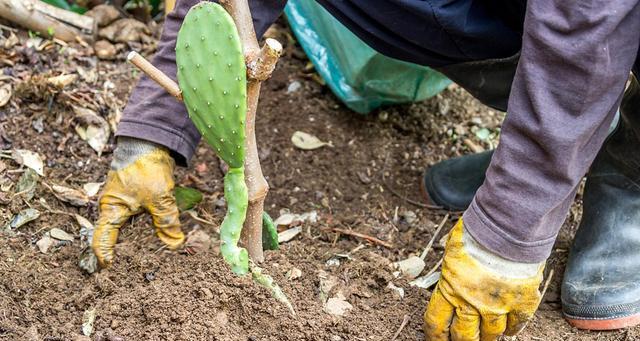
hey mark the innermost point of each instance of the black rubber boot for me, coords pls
(452, 183)
(601, 285)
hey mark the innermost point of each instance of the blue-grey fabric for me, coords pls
(575, 59)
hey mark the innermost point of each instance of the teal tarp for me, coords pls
(361, 77)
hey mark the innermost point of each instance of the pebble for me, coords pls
(293, 87)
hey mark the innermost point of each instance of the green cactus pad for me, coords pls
(212, 77)
(236, 194)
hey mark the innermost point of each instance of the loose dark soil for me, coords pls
(367, 182)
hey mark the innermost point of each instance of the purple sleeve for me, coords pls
(154, 115)
(576, 58)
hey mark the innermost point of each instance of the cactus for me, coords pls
(269, 233)
(212, 77)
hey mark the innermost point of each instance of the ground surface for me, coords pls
(366, 183)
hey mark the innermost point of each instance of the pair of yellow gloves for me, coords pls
(480, 295)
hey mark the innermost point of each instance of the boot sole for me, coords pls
(604, 324)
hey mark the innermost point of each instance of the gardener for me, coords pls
(559, 66)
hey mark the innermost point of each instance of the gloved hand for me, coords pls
(480, 295)
(141, 178)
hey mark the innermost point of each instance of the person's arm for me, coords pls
(576, 58)
(575, 61)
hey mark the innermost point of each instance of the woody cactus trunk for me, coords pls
(220, 69)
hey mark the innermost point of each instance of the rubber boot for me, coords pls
(452, 183)
(601, 284)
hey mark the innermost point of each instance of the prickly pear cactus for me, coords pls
(212, 77)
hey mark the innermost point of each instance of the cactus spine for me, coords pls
(212, 77)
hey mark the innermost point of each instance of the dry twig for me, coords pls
(363, 236)
(435, 235)
(405, 320)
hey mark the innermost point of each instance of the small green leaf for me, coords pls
(187, 198)
(269, 233)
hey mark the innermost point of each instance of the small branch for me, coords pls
(154, 73)
(435, 234)
(435, 267)
(363, 236)
(260, 69)
(546, 285)
(405, 320)
(48, 20)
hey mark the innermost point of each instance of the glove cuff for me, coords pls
(130, 149)
(496, 264)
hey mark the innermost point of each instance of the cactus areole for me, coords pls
(212, 78)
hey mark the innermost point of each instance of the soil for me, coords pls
(367, 182)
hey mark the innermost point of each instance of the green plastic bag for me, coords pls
(361, 77)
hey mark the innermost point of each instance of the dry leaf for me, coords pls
(293, 274)
(29, 159)
(62, 81)
(27, 184)
(70, 195)
(289, 234)
(92, 128)
(5, 94)
(410, 267)
(88, 261)
(337, 306)
(23, 217)
(88, 318)
(60, 234)
(126, 30)
(425, 282)
(105, 50)
(92, 188)
(306, 141)
(197, 241)
(103, 14)
(287, 219)
(11, 41)
(45, 243)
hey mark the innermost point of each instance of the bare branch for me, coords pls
(154, 73)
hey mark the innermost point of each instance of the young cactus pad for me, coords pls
(212, 77)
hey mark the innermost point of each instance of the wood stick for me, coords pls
(363, 236)
(48, 20)
(260, 64)
(435, 234)
(154, 73)
(405, 320)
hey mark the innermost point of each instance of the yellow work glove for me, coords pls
(480, 295)
(141, 178)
